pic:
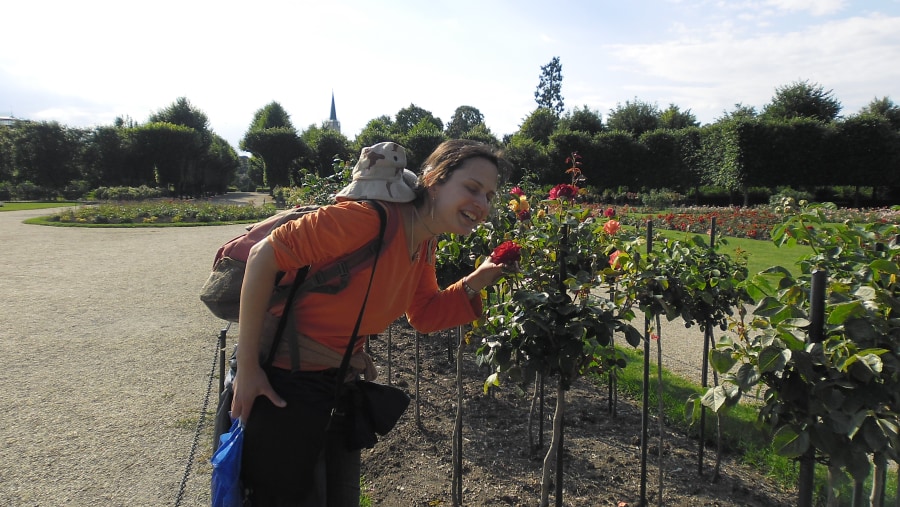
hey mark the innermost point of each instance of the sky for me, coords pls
(85, 63)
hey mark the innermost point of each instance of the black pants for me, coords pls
(288, 457)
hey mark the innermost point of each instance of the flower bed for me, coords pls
(162, 212)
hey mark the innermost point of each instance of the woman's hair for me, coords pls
(448, 157)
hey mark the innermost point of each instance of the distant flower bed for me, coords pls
(753, 223)
(162, 212)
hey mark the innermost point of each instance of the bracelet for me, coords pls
(468, 288)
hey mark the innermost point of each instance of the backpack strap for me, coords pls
(341, 269)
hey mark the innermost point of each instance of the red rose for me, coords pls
(564, 191)
(508, 252)
(516, 191)
(609, 213)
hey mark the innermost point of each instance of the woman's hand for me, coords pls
(487, 273)
(249, 383)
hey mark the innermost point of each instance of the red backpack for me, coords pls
(222, 291)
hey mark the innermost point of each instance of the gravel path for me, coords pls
(106, 354)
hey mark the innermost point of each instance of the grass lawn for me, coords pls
(19, 206)
(760, 254)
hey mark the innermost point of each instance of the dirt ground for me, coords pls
(108, 354)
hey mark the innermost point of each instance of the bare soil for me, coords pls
(108, 352)
(412, 466)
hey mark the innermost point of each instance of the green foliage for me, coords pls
(582, 120)
(464, 119)
(539, 125)
(802, 99)
(635, 117)
(325, 145)
(315, 189)
(674, 118)
(544, 318)
(155, 213)
(409, 117)
(420, 141)
(836, 396)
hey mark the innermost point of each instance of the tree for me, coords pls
(219, 168)
(802, 99)
(274, 139)
(582, 120)
(884, 107)
(482, 134)
(409, 117)
(325, 145)
(539, 125)
(175, 152)
(464, 119)
(674, 118)
(47, 154)
(549, 89)
(636, 117)
(739, 112)
(181, 112)
(420, 141)
(381, 129)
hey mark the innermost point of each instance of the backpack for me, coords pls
(222, 290)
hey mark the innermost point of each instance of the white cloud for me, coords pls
(851, 54)
(815, 7)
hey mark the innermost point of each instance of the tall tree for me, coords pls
(464, 119)
(409, 117)
(636, 117)
(674, 118)
(549, 88)
(886, 108)
(802, 99)
(274, 139)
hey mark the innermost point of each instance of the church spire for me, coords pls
(333, 122)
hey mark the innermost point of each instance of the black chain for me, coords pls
(201, 422)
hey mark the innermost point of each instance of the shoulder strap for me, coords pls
(301, 284)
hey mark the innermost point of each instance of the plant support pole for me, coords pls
(704, 371)
(645, 402)
(816, 326)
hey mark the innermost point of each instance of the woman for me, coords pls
(452, 195)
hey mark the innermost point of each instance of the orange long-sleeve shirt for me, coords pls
(400, 285)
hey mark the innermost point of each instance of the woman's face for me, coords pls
(464, 200)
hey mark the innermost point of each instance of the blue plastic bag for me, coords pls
(226, 462)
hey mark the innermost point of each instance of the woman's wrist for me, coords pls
(470, 291)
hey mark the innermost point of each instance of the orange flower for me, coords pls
(611, 227)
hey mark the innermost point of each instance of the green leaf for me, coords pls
(841, 312)
(773, 358)
(721, 360)
(633, 336)
(885, 266)
(747, 376)
(790, 443)
(692, 409)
